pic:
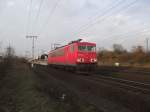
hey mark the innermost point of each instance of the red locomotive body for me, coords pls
(75, 55)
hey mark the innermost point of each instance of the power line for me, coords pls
(38, 13)
(29, 16)
(121, 36)
(102, 14)
(92, 24)
(107, 9)
(49, 16)
(136, 32)
(99, 14)
(103, 19)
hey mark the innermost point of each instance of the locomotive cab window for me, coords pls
(91, 48)
(87, 48)
(82, 48)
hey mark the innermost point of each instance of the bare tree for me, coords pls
(138, 54)
(10, 52)
(118, 48)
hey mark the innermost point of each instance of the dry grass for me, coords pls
(22, 91)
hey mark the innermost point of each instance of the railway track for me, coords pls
(107, 70)
(105, 92)
(129, 85)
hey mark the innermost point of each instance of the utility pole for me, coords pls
(147, 45)
(33, 43)
(54, 46)
(27, 54)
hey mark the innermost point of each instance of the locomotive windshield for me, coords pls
(87, 48)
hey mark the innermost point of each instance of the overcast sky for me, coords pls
(105, 22)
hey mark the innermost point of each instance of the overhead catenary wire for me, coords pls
(104, 18)
(49, 17)
(54, 8)
(141, 33)
(127, 33)
(30, 26)
(105, 12)
(29, 17)
(123, 35)
(47, 20)
(91, 18)
(108, 8)
(38, 13)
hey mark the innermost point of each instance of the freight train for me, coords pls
(77, 55)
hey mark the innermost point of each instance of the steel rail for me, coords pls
(123, 80)
(124, 84)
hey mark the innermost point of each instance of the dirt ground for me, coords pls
(21, 90)
(108, 97)
(43, 89)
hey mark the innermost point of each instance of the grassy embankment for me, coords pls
(20, 91)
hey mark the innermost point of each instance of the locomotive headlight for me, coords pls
(95, 60)
(79, 60)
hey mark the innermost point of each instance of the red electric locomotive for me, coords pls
(76, 55)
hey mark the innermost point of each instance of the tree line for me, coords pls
(136, 57)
